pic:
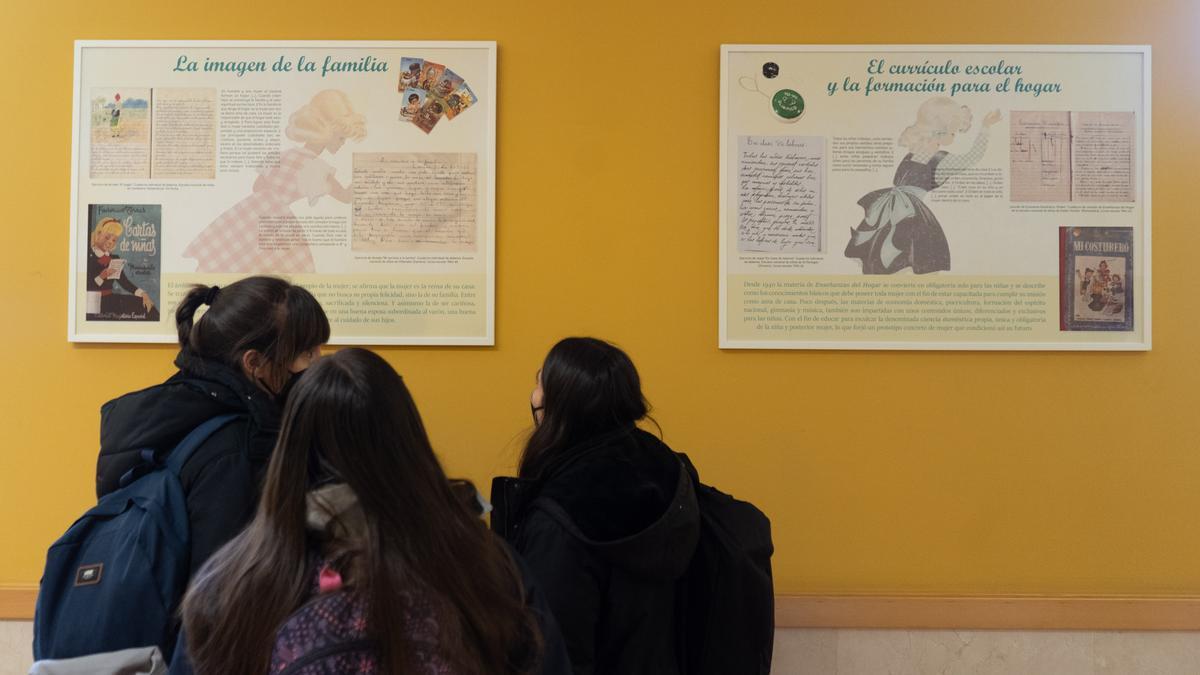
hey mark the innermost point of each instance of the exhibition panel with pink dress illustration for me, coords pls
(364, 171)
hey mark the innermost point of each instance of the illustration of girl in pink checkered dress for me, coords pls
(260, 233)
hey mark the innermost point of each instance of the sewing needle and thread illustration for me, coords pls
(260, 233)
(786, 102)
(430, 91)
(898, 230)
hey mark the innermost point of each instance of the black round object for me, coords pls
(770, 70)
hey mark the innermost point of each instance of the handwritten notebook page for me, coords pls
(779, 193)
(1102, 156)
(1040, 156)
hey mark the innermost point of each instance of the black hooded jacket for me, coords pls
(607, 533)
(221, 481)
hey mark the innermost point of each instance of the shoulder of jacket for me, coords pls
(545, 516)
(228, 442)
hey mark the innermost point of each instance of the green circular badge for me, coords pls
(788, 104)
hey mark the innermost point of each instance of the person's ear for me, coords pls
(252, 360)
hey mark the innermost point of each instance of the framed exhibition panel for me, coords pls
(364, 171)
(935, 197)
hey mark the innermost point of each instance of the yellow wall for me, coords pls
(882, 472)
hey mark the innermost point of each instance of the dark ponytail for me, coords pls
(185, 315)
(278, 319)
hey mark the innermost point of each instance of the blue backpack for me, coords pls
(115, 579)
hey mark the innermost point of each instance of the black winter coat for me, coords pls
(221, 481)
(607, 533)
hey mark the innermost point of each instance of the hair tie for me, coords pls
(211, 296)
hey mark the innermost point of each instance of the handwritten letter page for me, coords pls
(1040, 155)
(414, 202)
(779, 193)
(1102, 156)
(185, 133)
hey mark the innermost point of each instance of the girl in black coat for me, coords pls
(241, 356)
(603, 513)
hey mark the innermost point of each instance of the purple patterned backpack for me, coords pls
(328, 636)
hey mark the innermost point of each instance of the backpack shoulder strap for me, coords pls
(183, 452)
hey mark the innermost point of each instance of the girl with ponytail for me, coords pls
(239, 356)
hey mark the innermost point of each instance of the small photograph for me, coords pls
(430, 74)
(410, 72)
(414, 98)
(459, 101)
(124, 263)
(429, 114)
(447, 84)
(1095, 278)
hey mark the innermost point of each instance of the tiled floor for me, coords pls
(16, 643)
(891, 652)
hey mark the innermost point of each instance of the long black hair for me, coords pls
(351, 418)
(278, 319)
(589, 387)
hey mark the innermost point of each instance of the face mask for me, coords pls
(288, 386)
(533, 411)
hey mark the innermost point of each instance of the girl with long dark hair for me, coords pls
(360, 544)
(603, 512)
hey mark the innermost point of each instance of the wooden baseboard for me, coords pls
(17, 601)
(913, 612)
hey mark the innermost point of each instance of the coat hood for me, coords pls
(626, 496)
(158, 418)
